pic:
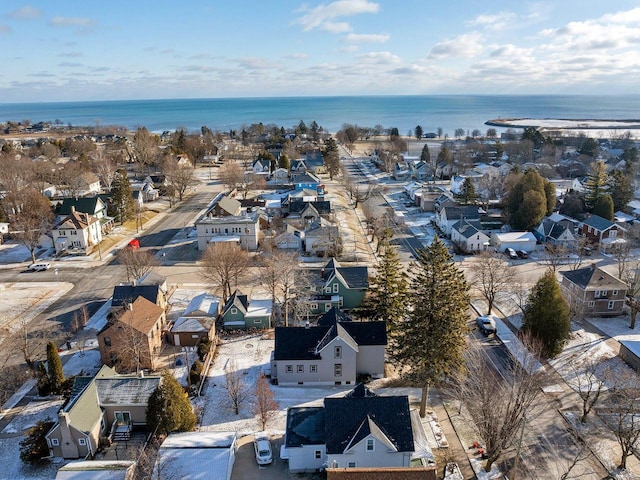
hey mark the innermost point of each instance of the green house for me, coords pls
(241, 313)
(338, 286)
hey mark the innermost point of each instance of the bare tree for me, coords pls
(29, 341)
(231, 175)
(279, 278)
(587, 384)
(104, 166)
(265, 406)
(555, 255)
(137, 262)
(145, 148)
(491, 275)
(622, 253)
(223, 265)
(620, 413)
(181, 177)
(236, 386)
(80, 319)
(31, 216)
(499, 404)
(357, 192)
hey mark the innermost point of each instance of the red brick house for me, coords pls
(601, 232)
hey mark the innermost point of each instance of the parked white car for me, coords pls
(262, 446)
(38, 267)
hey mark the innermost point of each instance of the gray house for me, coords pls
(594, 291)
(334, 352)
(359, 430)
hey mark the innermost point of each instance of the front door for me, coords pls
(123, 418)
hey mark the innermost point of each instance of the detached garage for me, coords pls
(516, 240)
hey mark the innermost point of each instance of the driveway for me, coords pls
(246, 467)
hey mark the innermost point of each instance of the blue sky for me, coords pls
(87, 50)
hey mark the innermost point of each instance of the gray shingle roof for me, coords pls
(595, 278)
(126, 390)
(598, 222)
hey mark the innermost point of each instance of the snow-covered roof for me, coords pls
(203, 304)
(196, 455)
(95, 470)
(259, 308)
(515, 237)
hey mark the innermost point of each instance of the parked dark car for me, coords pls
(486, 324)
(522, 254)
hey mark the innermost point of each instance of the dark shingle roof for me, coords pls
(593, 277)
(305, 426)
(128, 294)
(323, 207)
(367, 333)
(350, 419)
(82, 204)
(333, 316)
(298, 343)
(356, 277)
(467, 228)
(459, 212)
(598, 222)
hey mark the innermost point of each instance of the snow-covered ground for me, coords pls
(618, 328)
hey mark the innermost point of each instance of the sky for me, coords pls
(68, 50)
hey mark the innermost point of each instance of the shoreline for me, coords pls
(565, 123)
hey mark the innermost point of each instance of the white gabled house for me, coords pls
(77, 232)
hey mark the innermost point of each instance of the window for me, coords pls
(352, 464)
(327, 289)
(313, 368)
(613, 233)
(82, 441)
(314, 306)
(592, 303)
(300, 368)
(371, 444)
(336, 287)
(327, 307)
(107, 341)
(318, 453)
(337, 370)
(195, 336)
(337, 352)
(288, 368)
(615, 292)
(55, 442)
(234, 310)
(257, 320)
(611, 304)
(341, 301)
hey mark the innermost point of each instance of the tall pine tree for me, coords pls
(467, 195)
(55, 375)
(387, 294)
(546, 315)
(596, 184)
(121, 196)
(169, 409)
(429, 342)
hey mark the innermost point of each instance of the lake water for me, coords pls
(448, 112)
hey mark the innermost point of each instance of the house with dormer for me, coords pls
(559, 230)
(401, 171)
(241, 312)
(594, 291)
(361, 430)
(450, 213)
(77, 233)
(333, 352)
(101, 408)
(338, 286)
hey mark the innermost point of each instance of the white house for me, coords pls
(243, 229)
(78, 232)
(469, 237)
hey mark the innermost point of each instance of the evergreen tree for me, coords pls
(418, 132)
(121, 196)
(34, 447)
(467, 195)
(589, 147)
(550, 196)
(621, 189)
(331, 157)
(55, 374)
(604, 207)
(430, 340)
(596, 184)
(630, 157)
(169, 409)
(425, 156)
(546, 315)
(179, 142)
(387, 293)
(283, 161)
(527, 201)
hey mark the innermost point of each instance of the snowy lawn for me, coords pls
(250, 355)
(618, 328)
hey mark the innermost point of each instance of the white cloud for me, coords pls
(379, 58)
(71, 22)
(497, 21)
(467, 45)
(25, 12)
(335, 27)
(298, 56)
(367, 38)
(323, 15)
